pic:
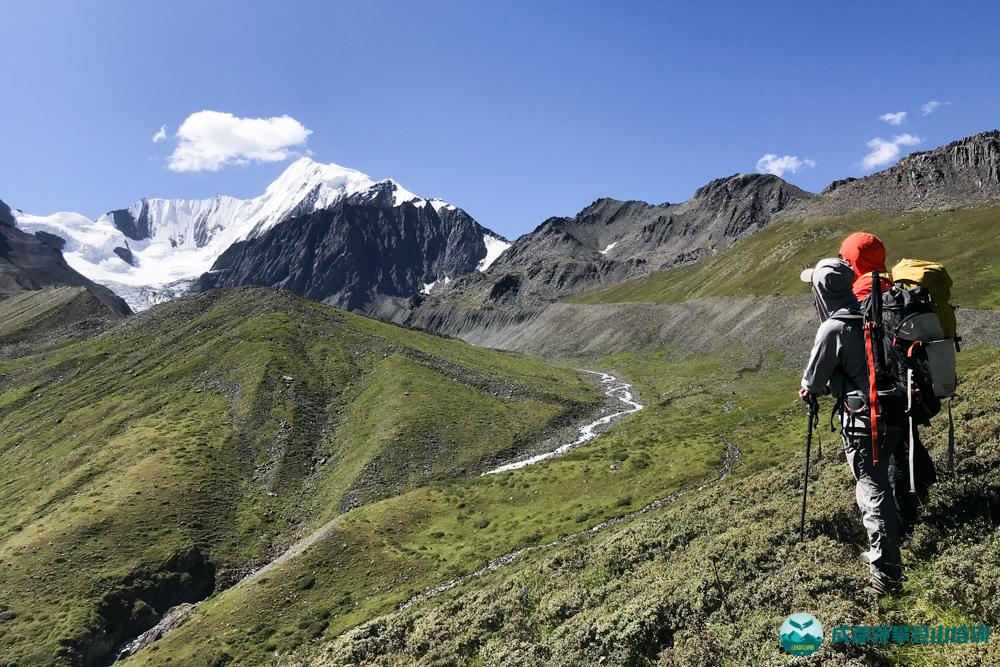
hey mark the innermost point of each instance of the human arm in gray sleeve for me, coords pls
(824, 358)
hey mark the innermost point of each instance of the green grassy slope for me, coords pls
(164, 458)
(967, 241)
(383, 553)
(708, 580)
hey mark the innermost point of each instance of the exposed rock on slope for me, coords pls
(6, 217)
(961, 173)
(357, 251)
(612, 240)
(29, 263)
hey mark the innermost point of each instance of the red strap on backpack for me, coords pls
(872, 389)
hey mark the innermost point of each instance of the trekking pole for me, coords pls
(813, 411)
(951, 440)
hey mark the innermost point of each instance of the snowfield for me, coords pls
(494, 248)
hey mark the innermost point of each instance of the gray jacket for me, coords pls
(837, 363)
(837, 360)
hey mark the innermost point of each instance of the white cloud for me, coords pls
(884, 152)
(930, 107)
(210, 140)
(893, 118)
(160, 135)
(772, 164)
(906, 140)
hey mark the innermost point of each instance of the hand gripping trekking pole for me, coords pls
(813, 418)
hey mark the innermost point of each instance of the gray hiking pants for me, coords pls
(874, 492)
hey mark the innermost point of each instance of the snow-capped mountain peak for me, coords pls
(305, 177)
(159, 243)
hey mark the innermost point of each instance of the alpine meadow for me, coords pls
(325, 421)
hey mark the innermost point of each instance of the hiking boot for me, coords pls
(863, 557)
(881, 587)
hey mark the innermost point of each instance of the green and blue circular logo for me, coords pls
(801, 634)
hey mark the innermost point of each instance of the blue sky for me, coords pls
(515, 111)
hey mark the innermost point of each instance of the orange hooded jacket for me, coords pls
(865, 253)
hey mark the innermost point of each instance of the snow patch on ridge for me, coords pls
(401, 195)
(494, 248)
(428, 287)
(439, 204)
(609, 248)
(92, 242)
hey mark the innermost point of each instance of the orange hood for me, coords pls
(865, 253)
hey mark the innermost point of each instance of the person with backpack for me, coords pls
(838, 365)
(913, 475)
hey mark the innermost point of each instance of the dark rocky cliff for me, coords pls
(357, 252)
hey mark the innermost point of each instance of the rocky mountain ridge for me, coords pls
(963, 172)
(612, 240)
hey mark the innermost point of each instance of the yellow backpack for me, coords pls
(935, 279)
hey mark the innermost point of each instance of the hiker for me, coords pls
(865, 253)
(837, 365)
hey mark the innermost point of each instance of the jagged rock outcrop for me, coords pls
(614, 240)
(31, 263)
(357, 252)
(962, 173)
